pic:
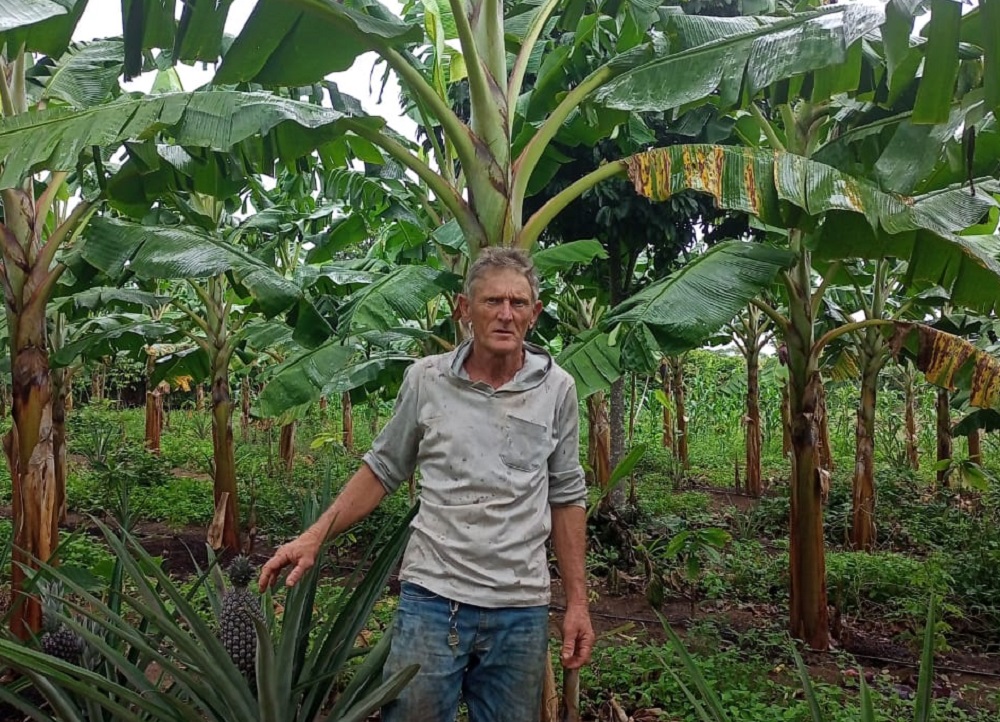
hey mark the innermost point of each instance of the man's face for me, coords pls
(500, 310)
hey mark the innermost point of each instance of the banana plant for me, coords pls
(511, 133)
(223, 278)
(93, 324)
(78, 117)
(751, 332)
(825, 211)
(36, 223)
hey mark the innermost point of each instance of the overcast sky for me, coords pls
(103, 18)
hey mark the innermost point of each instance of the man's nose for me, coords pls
(506, 311)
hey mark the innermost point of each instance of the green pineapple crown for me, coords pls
(50, 593)
(241, 571)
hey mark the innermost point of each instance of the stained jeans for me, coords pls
(493, 658)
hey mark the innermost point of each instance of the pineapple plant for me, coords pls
(239, 608)
(57, 639)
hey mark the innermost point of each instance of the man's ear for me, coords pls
(463, 306)
(538, 312)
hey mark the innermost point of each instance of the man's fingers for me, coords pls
(578, 642)
(298, 552)
(303, 565)
(269, 572)
(585, 647)
(568, 648)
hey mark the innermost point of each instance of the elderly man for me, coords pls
(493, 427)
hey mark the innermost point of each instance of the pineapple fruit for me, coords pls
(239, 608)
(57, 639)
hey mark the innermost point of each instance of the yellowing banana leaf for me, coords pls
(950, 362)
(861, 220)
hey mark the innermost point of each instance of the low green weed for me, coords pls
(692, 506)
(178, 502)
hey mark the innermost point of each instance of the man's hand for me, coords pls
(578, 637)
(301, 552)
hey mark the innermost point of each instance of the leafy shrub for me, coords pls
(749, 572)
(83, 551)
(819, 702)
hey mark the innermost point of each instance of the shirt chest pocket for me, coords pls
(525, 444)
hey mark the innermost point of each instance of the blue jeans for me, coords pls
(493, 658)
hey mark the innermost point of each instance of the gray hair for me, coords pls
(493, 259)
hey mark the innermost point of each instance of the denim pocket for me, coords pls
(416, 593)
(525, 444)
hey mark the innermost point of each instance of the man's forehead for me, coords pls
(504, 282)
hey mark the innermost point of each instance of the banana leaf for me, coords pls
(593, 362)
(267, 127)
(180, 252)
(678, 313)
(44, 26)
(269, 49)
(736, 57)
(950, 362)
(785, 190)
(85, 76)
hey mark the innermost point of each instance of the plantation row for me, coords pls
(943, 543)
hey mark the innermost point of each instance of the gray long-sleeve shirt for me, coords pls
(492, 461)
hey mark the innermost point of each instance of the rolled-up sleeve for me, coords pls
(393, 455)
(566, 480)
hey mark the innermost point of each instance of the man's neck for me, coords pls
(493, 370)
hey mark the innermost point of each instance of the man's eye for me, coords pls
(520, 305)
